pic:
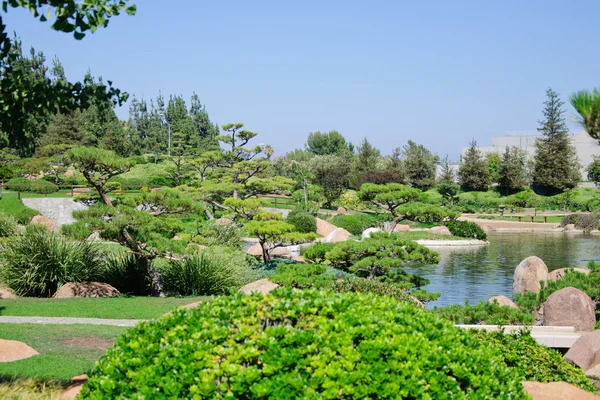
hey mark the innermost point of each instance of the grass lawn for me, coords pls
(65, 350)
(424, 235)
(10, 204)
(288, 204)
(554, 219)
(117, 308)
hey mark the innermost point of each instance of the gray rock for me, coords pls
(528, 275)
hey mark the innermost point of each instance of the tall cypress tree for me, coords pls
(447, 175)
(512, 175)
(555, 166)
(473, 172)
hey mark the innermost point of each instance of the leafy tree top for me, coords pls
(587, 105)
(329, 143)
(389, 196)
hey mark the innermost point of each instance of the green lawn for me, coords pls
(10, 204)
(65, 350)
(554, 219)
(424, 235)
(118, 308)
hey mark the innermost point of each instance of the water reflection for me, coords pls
(476, 274)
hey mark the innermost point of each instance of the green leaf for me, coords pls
(79, 35)
(131, 10)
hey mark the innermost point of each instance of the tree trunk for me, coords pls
(305, 194)
(389, 226)
(265, 253)
(104, 196)
(144, 261)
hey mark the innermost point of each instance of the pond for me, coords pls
(478, 273)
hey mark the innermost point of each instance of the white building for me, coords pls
(585, 146)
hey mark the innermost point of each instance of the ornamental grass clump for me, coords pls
(38, 262)
(8, 225)
(301, 344)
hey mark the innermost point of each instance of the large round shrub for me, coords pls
(357, 223)
(466, 229)
(303, 221)
(301, 344)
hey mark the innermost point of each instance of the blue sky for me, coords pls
(437, 72)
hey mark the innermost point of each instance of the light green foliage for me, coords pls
(244, 209)
(532, 361)
(389, 197)
(473, 173)
(8, 225)
(448, 192)
(493, 163)
(25, 185)
(303, 276)
(594, 171)
(353, 284)
(38, 262)
(296, 344)
(357, 223)
(422, 212)
(317, 252)
(331, 172)
(328, 144)
(212, 234)
(419, 164)
(214, 271)
(303, 221)
(587, 105)
(466, 229)
(484, 313)
(555, 165)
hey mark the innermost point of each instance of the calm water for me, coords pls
(476, 274)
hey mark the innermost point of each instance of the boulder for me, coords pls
(324, 228)
(86, 289)
(6, 293)
(487, 228)
(255, 250)
(593, 374)
(367, 232)
(342, 210)
(93, 236)
(556, 391)
(263, 286)
(528, 275)
(402, 228)
(559, 273)
(44, 221)
(281, 252)
(72, 391)
(70, 173)
(12, 350)
(570, 227)
(585, 352)
(338, 235)
(570, 307)
(503, 301)
(440, 230)
(223, 221)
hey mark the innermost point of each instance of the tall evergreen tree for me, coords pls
(365, 162)
(447, 175)
(555, 166)
(512, 174)
(473, 172)
(419, 164)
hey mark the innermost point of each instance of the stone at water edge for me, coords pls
(528, 275)
(367, 232)
(324, 228)
(440, 230)
(585, 352)
(570, 307)
(281, 252)
(559, 273)
(556, 391)
(263, 286)
(593, 374)
(44, 221)
(86, 289)
(13, 350)
(503, 301)
(338, 235)
(570, 227)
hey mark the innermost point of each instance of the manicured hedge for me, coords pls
(301, 344)
(357, 223)
(303, 221)
(466, 229)
(25, 185)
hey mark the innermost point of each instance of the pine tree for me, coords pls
(512, 174)
(555, 166)
(473, 173)
(447, 175)
(419, 164)
(365, 162)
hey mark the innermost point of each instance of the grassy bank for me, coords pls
(425, 235)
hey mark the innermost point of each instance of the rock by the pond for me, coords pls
(570, 307)
(263, 286)
(223, 221)
(342, 210)
(12, 350)
(570, 227)
(593, 374)
(324, 228)
(255, 250)
(556, 391)
(440, 230)
(93, 236)
(487, 228)
(503, 301)
(280, 252)
(559, 273)
(6, 293)
(338, 235)
(86, 289)
(72, 391)
(367, 232)
(402, 228)
(528, 275)
(585, 352)
(44, 221)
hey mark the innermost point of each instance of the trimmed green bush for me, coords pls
(8, 225)
(215, 271)
(422, 212)
(484, 313)
(586, 222)
(303, 221)
(316, 253)
(532, 361)
(466, 229)
(301, 344)
(38, 262)
(357, 223)
(25, 185)
(352, 284)
(303, 276)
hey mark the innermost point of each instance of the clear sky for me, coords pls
(437, 72)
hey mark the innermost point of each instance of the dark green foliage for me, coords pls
(422, 212)
(352, 284)
(317, 252)
(301, 344)
(25, 185)
(38, 262)
(365, 163)
(327, 144)
(533, 361)
(25, 215)
(303, 221)
(466, 229)
(357, 223)
(303, 276)
(448, 192)
(593, 171)
(484, 313)
(214, 271)
(125, 273)
(512, 175)
(473, 173)
(586, 222)
(331, 173)
(8, 225)
(419, 164)
(555, 166)
(447, 174)
(212, 234)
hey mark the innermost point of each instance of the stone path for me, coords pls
(59, 210)
(68, 321)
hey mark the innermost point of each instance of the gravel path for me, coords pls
(69, 321)
(59, 210)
